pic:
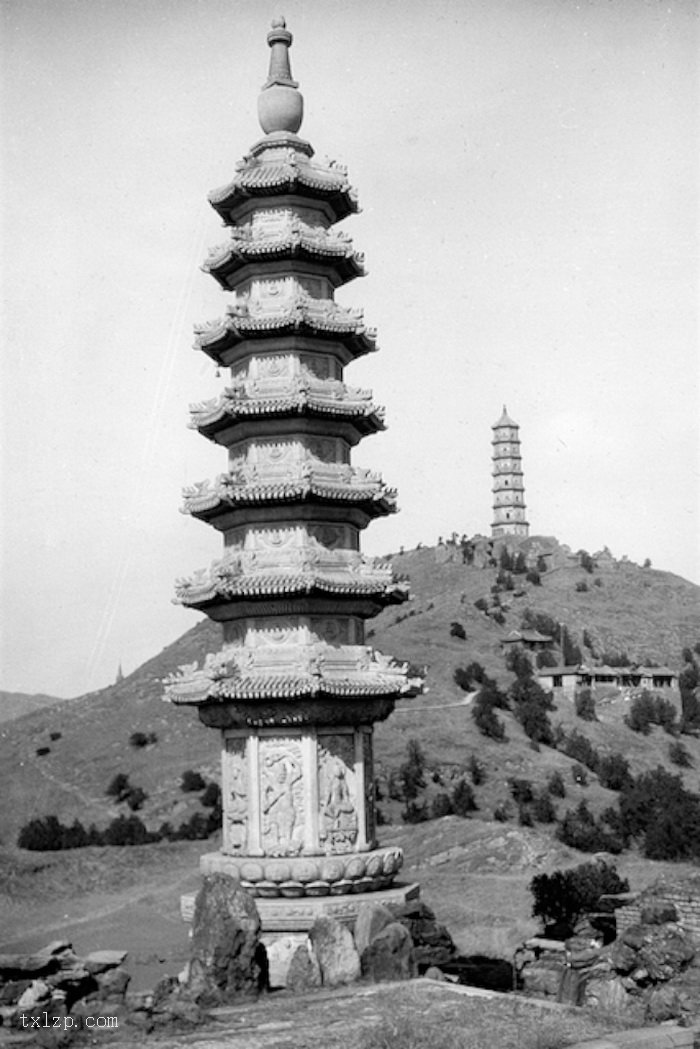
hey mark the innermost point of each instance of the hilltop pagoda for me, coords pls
(508, 484)
(294, 689)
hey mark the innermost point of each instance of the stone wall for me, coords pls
(683, 895)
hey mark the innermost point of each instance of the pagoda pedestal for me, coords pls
(294, 690)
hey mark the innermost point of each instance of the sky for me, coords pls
(528, 176)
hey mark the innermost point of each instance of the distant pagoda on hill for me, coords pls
(294, 688)
(508, 485)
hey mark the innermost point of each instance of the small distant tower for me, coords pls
(508, 486)
(120, 675)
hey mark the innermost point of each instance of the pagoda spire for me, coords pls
(508, 486)
(280, 104)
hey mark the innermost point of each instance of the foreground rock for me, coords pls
(227, 960)
(335, 951)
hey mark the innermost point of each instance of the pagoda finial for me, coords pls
(280, 105)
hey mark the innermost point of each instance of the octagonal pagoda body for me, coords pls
(294, 689)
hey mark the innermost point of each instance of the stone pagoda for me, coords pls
(508, 486)
(294, 689)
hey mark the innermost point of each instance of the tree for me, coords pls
(441, 806)
(613, 771)
(579, 829)
(656, 807)
(192, 782)
(486, 720)
(521, 791)
(584, 704)
(477, 771)
(562, 898)
(211, 796)
(543, 808)
(411, 773)
(679, 755)
(463, 801)
(555, 785)
(457, 630)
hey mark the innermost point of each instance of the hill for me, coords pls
(17, 704)
(648, 614)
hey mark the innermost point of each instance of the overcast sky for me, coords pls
(528, 176)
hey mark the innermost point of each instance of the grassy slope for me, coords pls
(648, 613)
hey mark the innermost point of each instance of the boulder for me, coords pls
(432, 943)
(371, 919)
(433, 973)
(334, 948)
(15, 966)
(279, 955)
(667, 951)
(389, 956)
(304, 972)
(622, 957)
(606, 993)
(541, 979)
(227, 959)
(99, 961)
(38, 991)
(657, 912)
(665, 1003)
(634, 936)
(112, 984)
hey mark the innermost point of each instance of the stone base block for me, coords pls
(281, 917)
(294, 877)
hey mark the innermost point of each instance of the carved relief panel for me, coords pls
(282, 795)
(235, 795)
(337, 792)
(368, 763)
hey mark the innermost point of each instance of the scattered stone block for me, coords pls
(99, 961)
(227, 961)
(606, 994)
(37, 992)
(112, 984)
(334, 948)
(371, 919)
(658, 912)
(433, 973)
(304, 972)
(432, 942)
(13, 966)
(279, 954)
(390, 955)
(540, 979)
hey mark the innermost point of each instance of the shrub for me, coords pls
(53, 736)
(581, 586)
(584, 704)
(139, 739)
(502, 812)
(555, 785)
(562, 898)
(119, 787)
(543, 808)
(579, 748)
(647, 710)
(613, 771)
(211, 796)
(477, 771)
(679, 755)
(546, 658)
(135, 798)
(463, 801)
(524, 816)
(486, 721)
(482, 604)
(534, 577)
(657, 807)
(457, 630)
(579, 829)
(441, 806)
(411, 773)
(192, 782)
(414, 813)
(42, 751)
(521, 791)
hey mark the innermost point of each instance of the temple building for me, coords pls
(293, 690)
(508, 486)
